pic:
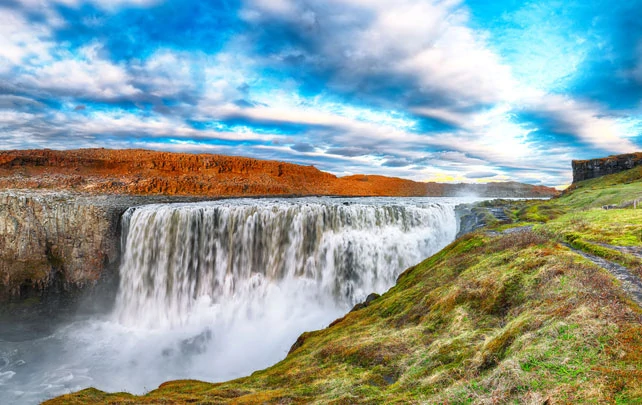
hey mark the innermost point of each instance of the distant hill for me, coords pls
(144, 172)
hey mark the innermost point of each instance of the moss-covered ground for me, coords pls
(493, 318)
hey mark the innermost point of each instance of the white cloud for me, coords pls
(167, 73)
(22, 41)
(585, 121)
(425, 41)
(18, 102)
(82, 75)
(128, 124)
(43, 66)
(10, 118)
(107, 128)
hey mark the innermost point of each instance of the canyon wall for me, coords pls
(62, 241)
(590, 169)
(48, 238)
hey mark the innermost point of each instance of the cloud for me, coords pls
(396, 163)
(585, 121)
(35, 62)
(302, 147)
(168, 74)
(421, 51)
(86, 77)
(22, 40)
(19, 103)
(349, 151)
(480, 175)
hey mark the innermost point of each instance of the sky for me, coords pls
(429, 90)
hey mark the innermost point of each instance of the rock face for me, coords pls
(590, 169)
(48, 238)
(59, 240)
(142, 172)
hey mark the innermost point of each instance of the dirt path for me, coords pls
(630, 283)
(632, 250)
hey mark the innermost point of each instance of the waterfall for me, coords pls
(214, 291)
(179, 257)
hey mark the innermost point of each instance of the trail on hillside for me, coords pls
(630, 283)
(632, 250)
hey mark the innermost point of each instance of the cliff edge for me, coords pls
(590, 169)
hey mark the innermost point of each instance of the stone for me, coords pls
(45, 235)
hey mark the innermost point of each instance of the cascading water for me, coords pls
(178, 257)
(213, 291)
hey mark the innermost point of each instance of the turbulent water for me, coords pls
(216, 290)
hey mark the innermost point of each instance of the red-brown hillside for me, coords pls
(144, 172)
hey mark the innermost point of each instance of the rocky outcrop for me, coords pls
(60, 241)
(143, 172)
(590, 169)
(48, 238)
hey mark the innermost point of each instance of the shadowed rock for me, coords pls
(590, 169)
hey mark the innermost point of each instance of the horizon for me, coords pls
(430, 91)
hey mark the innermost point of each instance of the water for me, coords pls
(214, 291)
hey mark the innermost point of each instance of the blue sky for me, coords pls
(423, 89)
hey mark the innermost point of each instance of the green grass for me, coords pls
(621, 227)
(514, 318)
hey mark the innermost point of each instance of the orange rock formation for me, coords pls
(144, 172)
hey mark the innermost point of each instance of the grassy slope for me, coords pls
(515, 318)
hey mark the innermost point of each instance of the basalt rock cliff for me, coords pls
(590, 169)
(61, 241)
(47, 238)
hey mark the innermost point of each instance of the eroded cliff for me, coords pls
(60, 240)
(48, 238)
(590, 169)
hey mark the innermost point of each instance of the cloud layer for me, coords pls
(427, 89)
